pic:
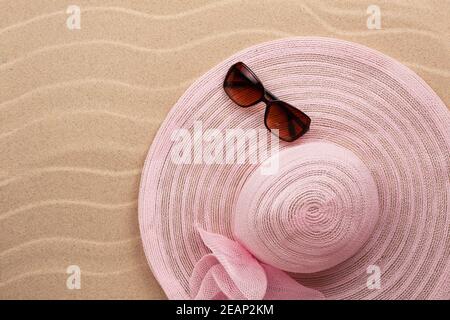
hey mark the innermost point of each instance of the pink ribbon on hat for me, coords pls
(231, 272)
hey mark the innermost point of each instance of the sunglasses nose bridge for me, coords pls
(268, 96)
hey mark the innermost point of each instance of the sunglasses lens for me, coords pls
(290, 122)
(242, 86)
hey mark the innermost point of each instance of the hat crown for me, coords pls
(314, 212)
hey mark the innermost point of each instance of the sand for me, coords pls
(79, 110)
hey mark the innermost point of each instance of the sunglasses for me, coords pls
(245, 89)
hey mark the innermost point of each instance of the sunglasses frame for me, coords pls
(269, 99)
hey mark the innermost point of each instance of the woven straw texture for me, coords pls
(360, 101)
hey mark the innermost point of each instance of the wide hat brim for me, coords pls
(358, 99)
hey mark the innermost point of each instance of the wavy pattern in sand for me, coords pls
(80, 109)
(52, 272)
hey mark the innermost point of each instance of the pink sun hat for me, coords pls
(357, 208)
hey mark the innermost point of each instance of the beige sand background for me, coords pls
(79, 110)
